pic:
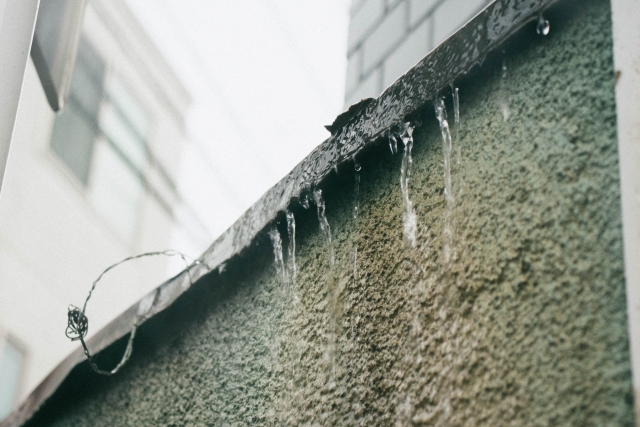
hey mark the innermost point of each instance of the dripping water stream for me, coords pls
(409, 216)
(456, 112)
(448, 233)
(276, 242)
(291, 249)
(504, 95)
(324, 224)
(356, 208)
(332, 292)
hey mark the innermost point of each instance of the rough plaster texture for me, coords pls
(526, 326)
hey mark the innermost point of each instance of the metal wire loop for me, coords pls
(78, 322)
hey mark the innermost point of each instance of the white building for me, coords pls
(388, 37)
(86, 188)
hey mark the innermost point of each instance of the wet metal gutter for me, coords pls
(453, 58)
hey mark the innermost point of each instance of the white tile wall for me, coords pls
(451, 15)
(369, 88)
(384, 37)
(414, 48)
(353, 71)
(419, 8)
(363, 20)
(388, 37)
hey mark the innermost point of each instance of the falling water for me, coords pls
(356, 208)
(304, 200)
(456, 105)
(276, 241)
(324, 224)
(393, 143)
(441, 114)
(456, 111)
(409, 215)
(504, 102)
(543, 27)
(332, 291)
(291, 249)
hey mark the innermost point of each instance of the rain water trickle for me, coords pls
(291, 228)
(456, 104)
(304, 200)
(356, 208)
(456, 111)
(543, 27)
(356, 203)
(441, 114)
(276, 241)
(393, 143)
(324, 224)
(409, 224)
(504, 101)
(447, 238)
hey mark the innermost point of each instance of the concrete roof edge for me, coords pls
(420, 85)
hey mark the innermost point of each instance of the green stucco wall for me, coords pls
(526, 327)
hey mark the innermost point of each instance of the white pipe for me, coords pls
(626, 51)
(17, 22)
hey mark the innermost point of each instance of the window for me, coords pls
(11, 367)
(120, 159)
(76, 128)
(101, 137)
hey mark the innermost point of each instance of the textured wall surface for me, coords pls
(525, 326)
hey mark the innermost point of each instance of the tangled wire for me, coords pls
(78, 323)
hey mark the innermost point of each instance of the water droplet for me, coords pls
(543, 27)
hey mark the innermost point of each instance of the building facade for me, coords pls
(85, 188)
(388, 37)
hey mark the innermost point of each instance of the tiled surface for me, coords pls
(363, 20)
(384, 37)
(414, 48)
(369, 88)
(388, 37)
(451, 15)
(418, 9)
(353, 71)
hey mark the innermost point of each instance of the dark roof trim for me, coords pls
(453, 58)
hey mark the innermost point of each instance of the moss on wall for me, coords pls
(525, 326)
